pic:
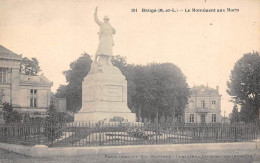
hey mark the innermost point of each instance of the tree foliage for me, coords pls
(30, 66)
(159, 90)
(244, 85)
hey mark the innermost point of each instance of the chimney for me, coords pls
(217, 88)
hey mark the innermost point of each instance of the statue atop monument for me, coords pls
(105, 38)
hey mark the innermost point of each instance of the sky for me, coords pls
(204, 45)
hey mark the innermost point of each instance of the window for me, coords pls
(33, 102)
(191, 118)
(202, 104)
(3, 75)
(33, 92)
(33, 98)
(214, 118)
(213, 102)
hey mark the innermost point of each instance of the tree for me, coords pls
(234, 116)
(53, 123)
(29, 66)
(157, 90)
(10, 115)
(74, 77)
(244, 86)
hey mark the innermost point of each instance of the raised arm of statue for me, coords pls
(96, 17)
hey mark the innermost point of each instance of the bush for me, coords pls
(10, 115)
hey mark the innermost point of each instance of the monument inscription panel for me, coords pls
(112, 93)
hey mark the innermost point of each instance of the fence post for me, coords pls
(99, 131)
(5, 134)
(25, 133)
(156, 132)
(235, 132)
(257, 132)
(52, 137)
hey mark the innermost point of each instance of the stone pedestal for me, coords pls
(104, 94)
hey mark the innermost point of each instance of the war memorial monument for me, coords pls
(104, 89)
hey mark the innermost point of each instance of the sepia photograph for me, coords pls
(130, 81)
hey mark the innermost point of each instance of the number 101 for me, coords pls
(134, 10)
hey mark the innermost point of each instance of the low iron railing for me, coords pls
(116, 133)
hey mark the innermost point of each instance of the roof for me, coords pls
(35, 80)
(204, 90)
(8, 54)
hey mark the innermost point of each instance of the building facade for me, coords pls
(27, 94)
(204, 105)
